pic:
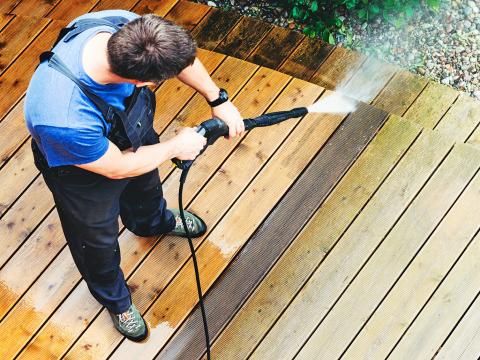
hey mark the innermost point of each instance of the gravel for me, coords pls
(443, 46)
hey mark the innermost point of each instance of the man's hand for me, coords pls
(188, 144)
(231, 116)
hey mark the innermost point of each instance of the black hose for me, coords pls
(183, 177)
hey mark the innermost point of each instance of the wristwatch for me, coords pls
(222, 97)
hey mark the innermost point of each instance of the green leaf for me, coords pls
(362, 14)
(331, 39)
(314, 6)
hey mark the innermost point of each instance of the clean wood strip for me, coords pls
(422, 276)
(442, 312)
(369, 80)
(236, 227)
(35, 8)
(461, 119)
(159, 7)
(432, 103)
(269, 241)
(187, 14)
(400, 92)
(385, 266)
(214, 27)
(354, 247)
(338, 68)
(131, 253)
(244, 37)
(16, 36)
(306, 58)
(464, 342)
(15, 79)
(474, 139)
(291, 271)
(275, 47)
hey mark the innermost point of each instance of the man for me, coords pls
(90, 115)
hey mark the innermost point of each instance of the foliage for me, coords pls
(323, 18)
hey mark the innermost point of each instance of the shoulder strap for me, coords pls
(84, 24)
(57, 64)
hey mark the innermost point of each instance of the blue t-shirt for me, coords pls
(68, 128)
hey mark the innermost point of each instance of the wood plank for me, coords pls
(273, 295)
(274, 49)
(369, 80)
(444, 309)
(15, 79)
(474, 139)
(400, 92)
(114, 4)
(420, 279)
(464, 342)
(338, 68)
(347, 254)
(159, 7)
(461, 119)
(306, 58)
(393, 255)
(6, 6)
(132, 254)
(35, 8)
(230, 234)
(244, 37)
(187, 14)
(214, 27)
(14, 132)
(269, 241)
(5, 19)
(432, 103)
(16, 36)
(19, 222)
(67, 10)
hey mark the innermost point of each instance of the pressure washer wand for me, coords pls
(215, 128)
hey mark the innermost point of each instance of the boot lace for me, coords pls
(128, 320)
(179, 224)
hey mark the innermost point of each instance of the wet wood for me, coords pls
(338, 68)
(447, 305)
(14, 81)
(424, 274)
(134, 249)
(187, 14)
(230, 234)
(6, 6)
(244, 37)
(35, 8)
(16, 36)
(4, 20)
(268, 243)
(306, 58)
(348, 254)
(288, 274)
(114, 4)
(274, 49)
(159, 7)
(429, 107)
(67, 10)
(214, 27)
(393, 256)
(400, 92)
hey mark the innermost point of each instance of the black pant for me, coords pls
(88, 205)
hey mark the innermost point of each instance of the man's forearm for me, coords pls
(197, 77)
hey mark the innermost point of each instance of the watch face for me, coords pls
(223, 94)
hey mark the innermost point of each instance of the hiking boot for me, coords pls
(130, 324)
(196, 226)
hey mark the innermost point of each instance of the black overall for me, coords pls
(89, 204)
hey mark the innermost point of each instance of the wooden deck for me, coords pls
(329, 237)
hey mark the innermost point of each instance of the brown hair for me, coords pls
(150, 48)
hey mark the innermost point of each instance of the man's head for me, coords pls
(150, 48)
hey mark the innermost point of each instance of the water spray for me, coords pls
(215, 128)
